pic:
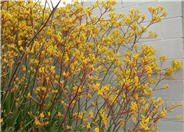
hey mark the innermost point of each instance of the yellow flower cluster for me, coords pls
(67, 69)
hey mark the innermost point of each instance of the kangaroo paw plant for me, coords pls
(79, 68)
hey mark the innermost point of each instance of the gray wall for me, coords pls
(170, 42)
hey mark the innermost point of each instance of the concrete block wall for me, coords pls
(170, 42)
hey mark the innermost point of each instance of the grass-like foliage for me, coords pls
(78, 68)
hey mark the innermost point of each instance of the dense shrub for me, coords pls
(71, 69)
